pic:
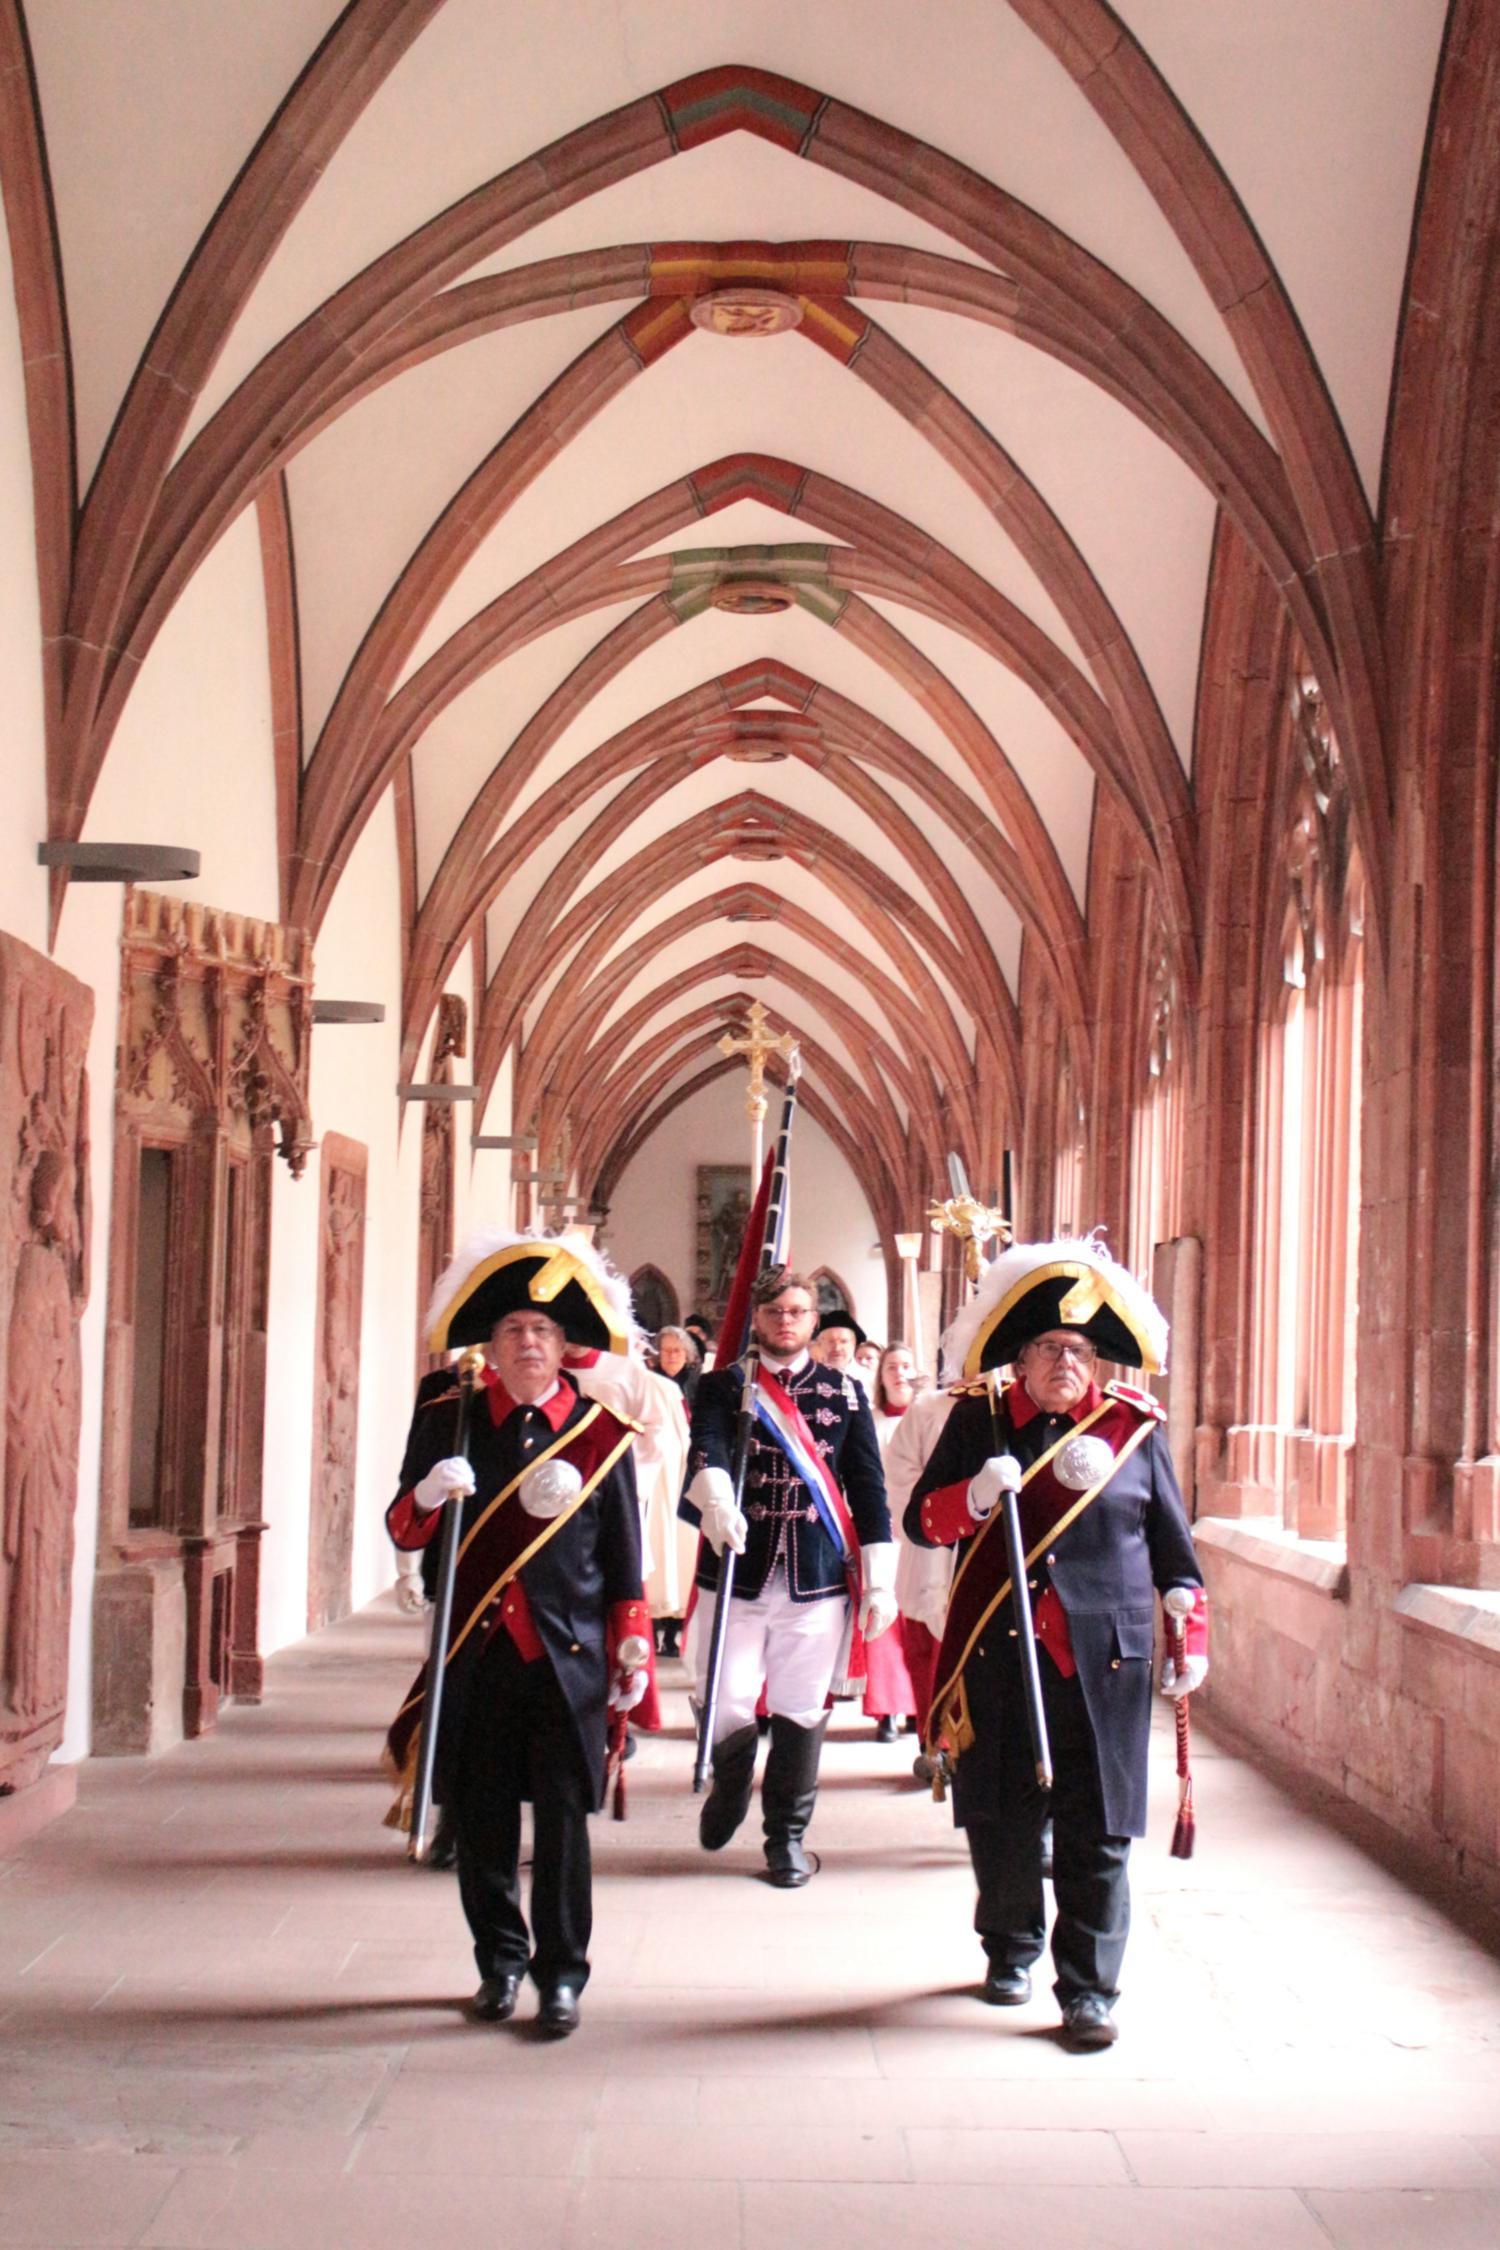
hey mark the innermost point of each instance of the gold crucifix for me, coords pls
(756, 1048)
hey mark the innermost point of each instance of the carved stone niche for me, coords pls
(341, 1273)
(215, 1019)
(45, 1018)
(435, 1228)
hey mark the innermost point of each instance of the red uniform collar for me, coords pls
(556, 1406)
(1023, 1408)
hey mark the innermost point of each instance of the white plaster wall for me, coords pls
(354, 1075)
(23, 772)
(91, 933)
(190, 764)
(652, 1215)
(191, 759)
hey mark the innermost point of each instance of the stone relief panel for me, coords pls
(45, 1018)
(435, 1230)
(336, 1406)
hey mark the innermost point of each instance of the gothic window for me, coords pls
(1067, 1142)
(1307, 1220)
(654, 1299)
(1156, 1167)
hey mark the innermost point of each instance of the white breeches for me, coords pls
(790, 1646)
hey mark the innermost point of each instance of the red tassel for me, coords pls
(1184, 1834)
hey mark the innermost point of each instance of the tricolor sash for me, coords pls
(497, 1546)
(982, 1579)
(782, 1419)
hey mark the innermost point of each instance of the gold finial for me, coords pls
(973, 1224)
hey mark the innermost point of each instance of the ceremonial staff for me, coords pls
(974, 1223)
(773, 1235)
(1185, 1829)
(469, 1369)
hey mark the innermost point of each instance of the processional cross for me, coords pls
(756, 1048)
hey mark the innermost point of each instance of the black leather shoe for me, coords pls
(442, 1852)
(1087, 2022)
(1007, 1988)
(495, 2001)
(886, 1730)
(558, 2013)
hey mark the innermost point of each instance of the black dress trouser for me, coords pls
(1004, 1829)
(519, 1742)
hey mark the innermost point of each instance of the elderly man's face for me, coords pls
(836, 1348)
(783, 1326)
(1057, 1369)
(526, 1350)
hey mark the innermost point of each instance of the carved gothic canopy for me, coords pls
(218, 1012)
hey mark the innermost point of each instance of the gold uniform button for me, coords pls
(1014, 1633)
(1051, 1559)
(1114, 1664)
(574, 1649)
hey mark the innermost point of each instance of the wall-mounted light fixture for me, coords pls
(121, 863)
(348, 1011)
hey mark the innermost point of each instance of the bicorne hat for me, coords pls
(839, 1316)
(565, 1277)
(1036, 1286)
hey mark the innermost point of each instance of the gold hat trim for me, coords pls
(560, 1266)
(1090, 1293)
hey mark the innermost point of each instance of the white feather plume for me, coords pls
(1011, 1268)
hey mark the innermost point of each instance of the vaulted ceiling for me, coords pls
(746, 479)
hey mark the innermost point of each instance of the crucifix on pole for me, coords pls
(756, 1049)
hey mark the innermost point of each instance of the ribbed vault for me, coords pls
(866, 547)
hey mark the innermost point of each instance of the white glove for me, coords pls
(547, 1489)
(1001, 1473)
(452, 1479)
(1179, 1602)
(712, 1494)
(877, 1608)
(628, 1690)
(410, 1599)
(1194, 1673)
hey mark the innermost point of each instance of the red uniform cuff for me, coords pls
(945, 1514)
(410, 1526)
(626, 1618)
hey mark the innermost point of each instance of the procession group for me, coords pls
(863, 1548)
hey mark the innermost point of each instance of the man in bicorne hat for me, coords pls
(1104, 1530)
(814, 1530)
(547, 1602)
(838, 1338)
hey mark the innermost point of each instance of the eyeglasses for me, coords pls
(1051, 1348)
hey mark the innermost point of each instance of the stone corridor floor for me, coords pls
(231, 2019)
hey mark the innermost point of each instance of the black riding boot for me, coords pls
(787, 1797)
(728, 1800)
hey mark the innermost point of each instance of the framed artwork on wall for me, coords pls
(721, 1212)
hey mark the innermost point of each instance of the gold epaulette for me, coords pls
(440, 1398)
(1143, 1401)
(966, 1390)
